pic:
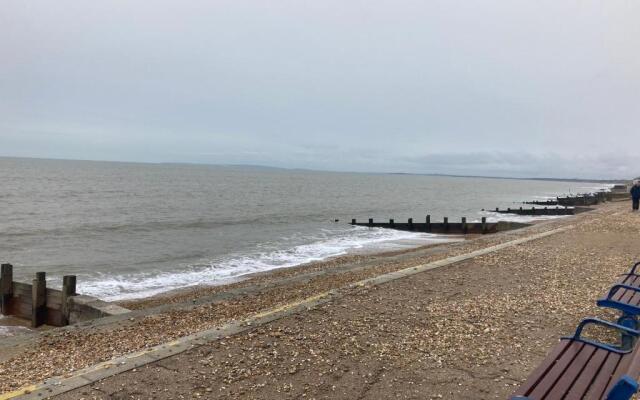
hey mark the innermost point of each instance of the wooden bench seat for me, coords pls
(580, 368)
(625, 294)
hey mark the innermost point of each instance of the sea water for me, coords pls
(134, 230)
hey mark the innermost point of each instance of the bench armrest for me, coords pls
(633, 269)
(587, 321)
(629, 274)
(618, 286)
(577, 336)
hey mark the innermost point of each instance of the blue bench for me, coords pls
(580, 368)
(625, 295)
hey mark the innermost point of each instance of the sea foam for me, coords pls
(324, 245)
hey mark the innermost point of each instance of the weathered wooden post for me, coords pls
(484, 225)
(6, 287)
(353, 221)
(391, 223)
(68, 291)
(464, 225)
(428, 223)
(410, 221)
(370, 221)
(446, 224)
(39, 300)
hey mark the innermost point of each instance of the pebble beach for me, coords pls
(473, 329)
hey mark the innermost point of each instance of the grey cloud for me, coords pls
(433, 86)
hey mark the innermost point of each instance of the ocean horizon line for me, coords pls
(275, 168)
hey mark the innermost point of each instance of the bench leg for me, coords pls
(627, 341)
(623, 389)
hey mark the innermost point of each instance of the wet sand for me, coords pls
(473, 329)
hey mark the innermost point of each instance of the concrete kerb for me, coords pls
(59, 385)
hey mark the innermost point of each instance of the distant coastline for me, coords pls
(618, 180)
(252, 167)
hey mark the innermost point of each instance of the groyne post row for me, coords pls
(543, 211)
(462, 227)
(542, 203)
(35, 301)
(45, 306)
(580, 200)
(591, 199)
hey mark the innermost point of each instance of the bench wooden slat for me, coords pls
(634, 365)
(552, 375)
(542, 369)
(635, 297)
(590, 372)
(572, 372)
(627, 280)
(621, 294)
(623, 368)
(596, 391)
(626, 295)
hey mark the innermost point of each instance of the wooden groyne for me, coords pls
(586, 200)
(46, 306)
(547, 203)
(591, 199)
(561, 206)
(445, 227)
(544, 211)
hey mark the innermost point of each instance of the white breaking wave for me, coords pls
(331, 244)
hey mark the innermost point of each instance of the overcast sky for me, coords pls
(515, 88)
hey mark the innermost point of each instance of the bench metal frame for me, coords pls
(627, 309)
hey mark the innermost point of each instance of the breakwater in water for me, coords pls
(484, 227)
(445, 227)
(544, 210)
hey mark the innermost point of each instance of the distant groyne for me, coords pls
(445, 227)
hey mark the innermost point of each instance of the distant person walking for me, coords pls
(635, 195)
